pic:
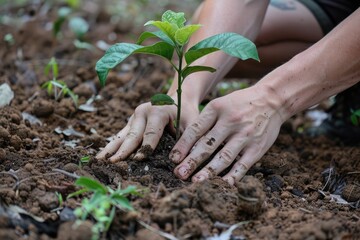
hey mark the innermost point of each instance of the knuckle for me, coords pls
(227, 156)
(195, 129)
(140, 109)
(215, 105)
(131, 134)
(150, 131)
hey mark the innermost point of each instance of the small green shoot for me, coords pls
(173, 36)
(102, 203)
(355, 117)
(60, 198)
(9, 39)
(62, 13)
(84, 160)
(55, 87)
(77, 25)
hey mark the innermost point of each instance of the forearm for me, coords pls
(325, 69)
(244, 17)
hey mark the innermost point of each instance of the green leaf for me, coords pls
(111, 217)
(168, 28)
(175, 18)
(192, 69)
(120, 51)
(183, 34)
(354, 120)
(62, 15)
(85, 159)
(79, 192)
(158, 34)
(231, 43)
(79, 26)
(161, 99)
(91, 184)
(53, 66)
(129, 190)
(122, 202)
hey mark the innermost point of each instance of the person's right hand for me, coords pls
(146, 127)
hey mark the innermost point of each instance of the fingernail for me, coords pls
(113, 159)
(175, 156)
(138, 156)
(183, 171)
(200, 178)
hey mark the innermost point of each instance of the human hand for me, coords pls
(145, 127)
(246, 121)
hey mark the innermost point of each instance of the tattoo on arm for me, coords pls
(285, 5)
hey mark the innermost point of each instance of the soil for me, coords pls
(290, 194)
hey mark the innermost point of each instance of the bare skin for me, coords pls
(248, 121)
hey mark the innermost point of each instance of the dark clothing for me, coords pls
(330, 13)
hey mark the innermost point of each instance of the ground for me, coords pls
(303, 188)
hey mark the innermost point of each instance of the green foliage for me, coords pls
(355, 117)
(102, 203)
(173, 36)
(60, 198)
(55, 87)
(77, 25)
(161, 99)
(9, 39)
(84, 160)
(63, 13)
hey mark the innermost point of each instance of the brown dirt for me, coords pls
(285, 196)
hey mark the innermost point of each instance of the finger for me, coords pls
(132, 139)
(192, 134)
(201, 152)
(114, 144)
(153, 132)
(240, 168)
(222, 160)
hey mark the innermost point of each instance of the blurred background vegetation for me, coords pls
(128, 14)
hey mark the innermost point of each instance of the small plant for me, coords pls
(55, 87)
(102, 203)
(355, 117)
(60, 199)
(174, 36)
(9, 39)
(84, 160)
(77, 25)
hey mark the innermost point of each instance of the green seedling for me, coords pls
(84, 160)
(355, 117)
(56, 87)
(9, 39)
(102, 203)
(62, 13)
(173, 37)
(60, 198)
(77, 25)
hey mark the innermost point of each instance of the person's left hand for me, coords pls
(246, 121)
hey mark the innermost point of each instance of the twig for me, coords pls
(49, 160)
(31, 177)
(72, 175)
(248, 199)
(305, 210)
(12, 174)
(328, 180)
(161, 233)
(221, 225)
